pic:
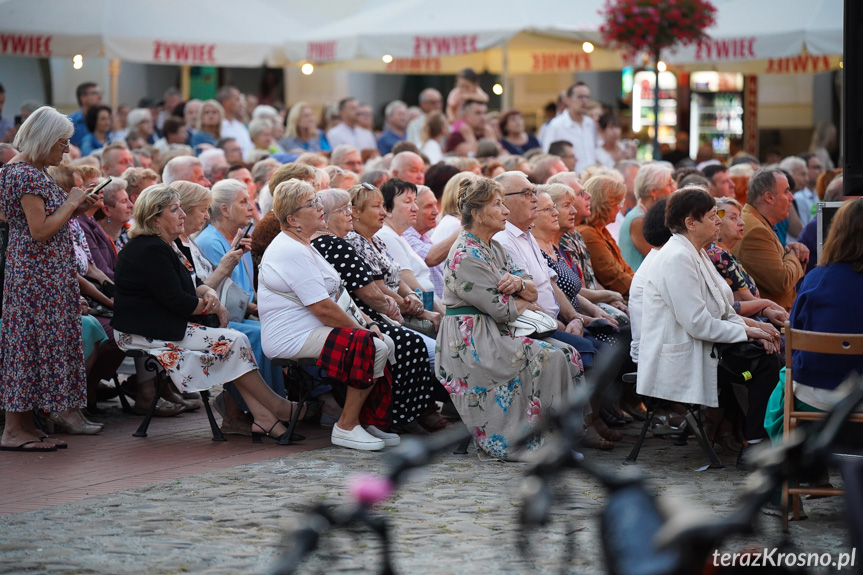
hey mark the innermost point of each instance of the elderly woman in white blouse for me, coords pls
(687, 315)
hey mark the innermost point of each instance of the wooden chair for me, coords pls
(816, 342)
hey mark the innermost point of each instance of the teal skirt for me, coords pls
(93, 334)
(774, 418)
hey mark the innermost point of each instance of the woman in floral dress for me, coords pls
(41, 350)
(499, 383)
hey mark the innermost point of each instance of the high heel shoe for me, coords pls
(283, 439)
(58, 423)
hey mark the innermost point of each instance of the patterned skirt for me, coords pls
(206, 357)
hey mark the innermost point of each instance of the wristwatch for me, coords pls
(522, 285)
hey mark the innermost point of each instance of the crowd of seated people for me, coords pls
(441, 231)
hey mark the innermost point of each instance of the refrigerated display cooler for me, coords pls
(716, 113)
(642, 105)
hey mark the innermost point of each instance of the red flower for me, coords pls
(654, 25)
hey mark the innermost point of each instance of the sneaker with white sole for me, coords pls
(357, 438)
(390, 439)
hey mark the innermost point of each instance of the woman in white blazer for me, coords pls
(687, 309)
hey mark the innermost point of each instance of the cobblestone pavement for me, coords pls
(457, 516)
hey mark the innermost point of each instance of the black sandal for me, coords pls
(284, 439)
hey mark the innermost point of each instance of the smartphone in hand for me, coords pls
(95, 191)
(245, 234)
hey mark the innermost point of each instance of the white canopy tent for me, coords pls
(767, 37)
(155, 32)
(443, 36)
(527, 36)
(181, 33)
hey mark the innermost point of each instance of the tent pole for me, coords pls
(186, 81)
(506, 102)
(114, 74)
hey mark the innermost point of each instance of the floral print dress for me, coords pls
(205, 357)
(41, 349)
(500, 384)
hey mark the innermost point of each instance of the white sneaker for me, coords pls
(390, 439)
(357, 438)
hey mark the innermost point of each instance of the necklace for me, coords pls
(547, 247)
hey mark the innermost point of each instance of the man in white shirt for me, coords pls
(430, 100)
(807, 198)
(348, 132)
(520, 199)
(576, 127)
(232, 125)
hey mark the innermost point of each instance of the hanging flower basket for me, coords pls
(654, 25)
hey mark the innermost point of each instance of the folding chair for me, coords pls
(816, 342)
(693, 420)
(162, 382)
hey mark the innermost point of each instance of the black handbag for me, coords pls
(97, 308)
(739, 358)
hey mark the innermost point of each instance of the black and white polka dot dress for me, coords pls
(413, 377)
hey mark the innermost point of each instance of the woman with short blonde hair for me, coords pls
(301, 131)
(208, 128)
(450, 214)
(300, 318)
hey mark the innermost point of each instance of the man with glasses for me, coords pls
(576, 127)
(521, 201)
(776, 270)
(88, 95)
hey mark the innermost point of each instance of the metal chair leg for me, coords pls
(123, 401)
(142, 429)
(693, 421)
(217, 433)
(651, 411)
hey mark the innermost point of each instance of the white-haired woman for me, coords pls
(301, 319)
(160, 308)
(41, 349)
(195, 200)
(139, 123)
(652, 183)
(261, 132)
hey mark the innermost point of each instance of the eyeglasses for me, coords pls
(368, 186)
(549, 209)
(583, 194)
(314, 203)
(64, 145)
(344, 210)
(527, 193)
(720, 213)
